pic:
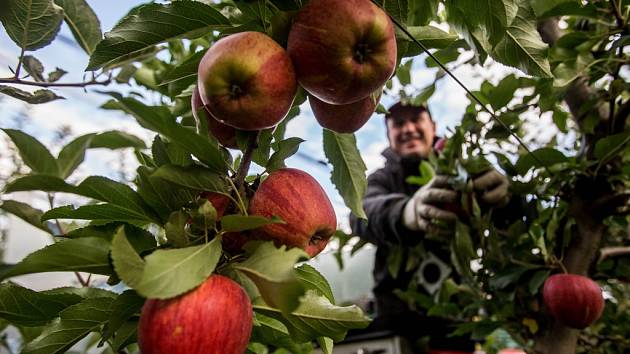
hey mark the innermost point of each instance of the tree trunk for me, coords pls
(554, 338)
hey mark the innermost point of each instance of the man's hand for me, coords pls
(419, 212)
(493, 187)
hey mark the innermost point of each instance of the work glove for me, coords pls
(421, 212)
(493, 187)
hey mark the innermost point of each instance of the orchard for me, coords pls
(205, 254)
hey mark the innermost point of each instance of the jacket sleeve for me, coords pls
(383, 208)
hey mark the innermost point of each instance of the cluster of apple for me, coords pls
(340, 51)
(573, 300)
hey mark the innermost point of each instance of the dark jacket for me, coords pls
(384, 201)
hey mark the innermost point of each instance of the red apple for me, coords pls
(247, 81)
(439, 145)
(297, 198)
(343, 50)
(225, 134)
(215, 318)
(573, 300)
(345, 118)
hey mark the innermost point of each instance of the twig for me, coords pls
(17, 81)
(608, 252)
(617, 13)
(246, 161)
(19, 65)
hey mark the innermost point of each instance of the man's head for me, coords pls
(410, 130)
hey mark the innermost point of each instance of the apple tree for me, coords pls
(556, 125)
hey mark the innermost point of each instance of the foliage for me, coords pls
(570, 193)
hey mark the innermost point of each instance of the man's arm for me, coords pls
(383, 208)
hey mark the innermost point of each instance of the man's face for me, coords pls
(411, 137)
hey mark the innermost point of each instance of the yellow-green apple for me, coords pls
(214, 318)
(343, 50)
(297, 198)
(344, 118)
(225, 134)
(247, 81)
(573, 300)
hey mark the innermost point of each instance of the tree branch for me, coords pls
(241, 173)
(16, 81)
(609, 252)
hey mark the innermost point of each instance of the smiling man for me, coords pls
(400, 215)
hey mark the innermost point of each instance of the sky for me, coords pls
(80, 112)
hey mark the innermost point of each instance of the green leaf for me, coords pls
(25, 212)
(168, 273)
(490, 16)
(537, 280)
(348, 174)
(162, 195)
(314, 280)
(118, 194)
(31, 24)
(127, 334)
(396, 8)
(34, 67)
(140, 239)
(127, 305)
(610, 145)
(34, 154)
(90, 254)
(403, 73)
(83, 23)
(127, 263)
(101, 213)
(35, 182)
(318, 317)
(187, 70)
(422, 12)
(195, 177)
(37, 97)
(429, 36)
(25, 307)
(55, 75)
(267, 330)
(236, 223)
(150, 24)
(117, 140)
(272, 270)
(522, 47)
(541, 7)
(503, 93)
(546, 156)
(285, 149)
(160, 120)
(72, 155)
(74, 323)
(326, 344)
(175, 228)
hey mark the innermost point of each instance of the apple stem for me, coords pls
(246, 161)
(561, 265)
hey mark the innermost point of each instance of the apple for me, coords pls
(297, 198)
(343, 50)
(247, 81)
(345, 118)
(573, 300)
(214, 318)
(225, 134)
(439, 145)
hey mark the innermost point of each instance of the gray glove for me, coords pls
(493, 187)
(420, 211)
